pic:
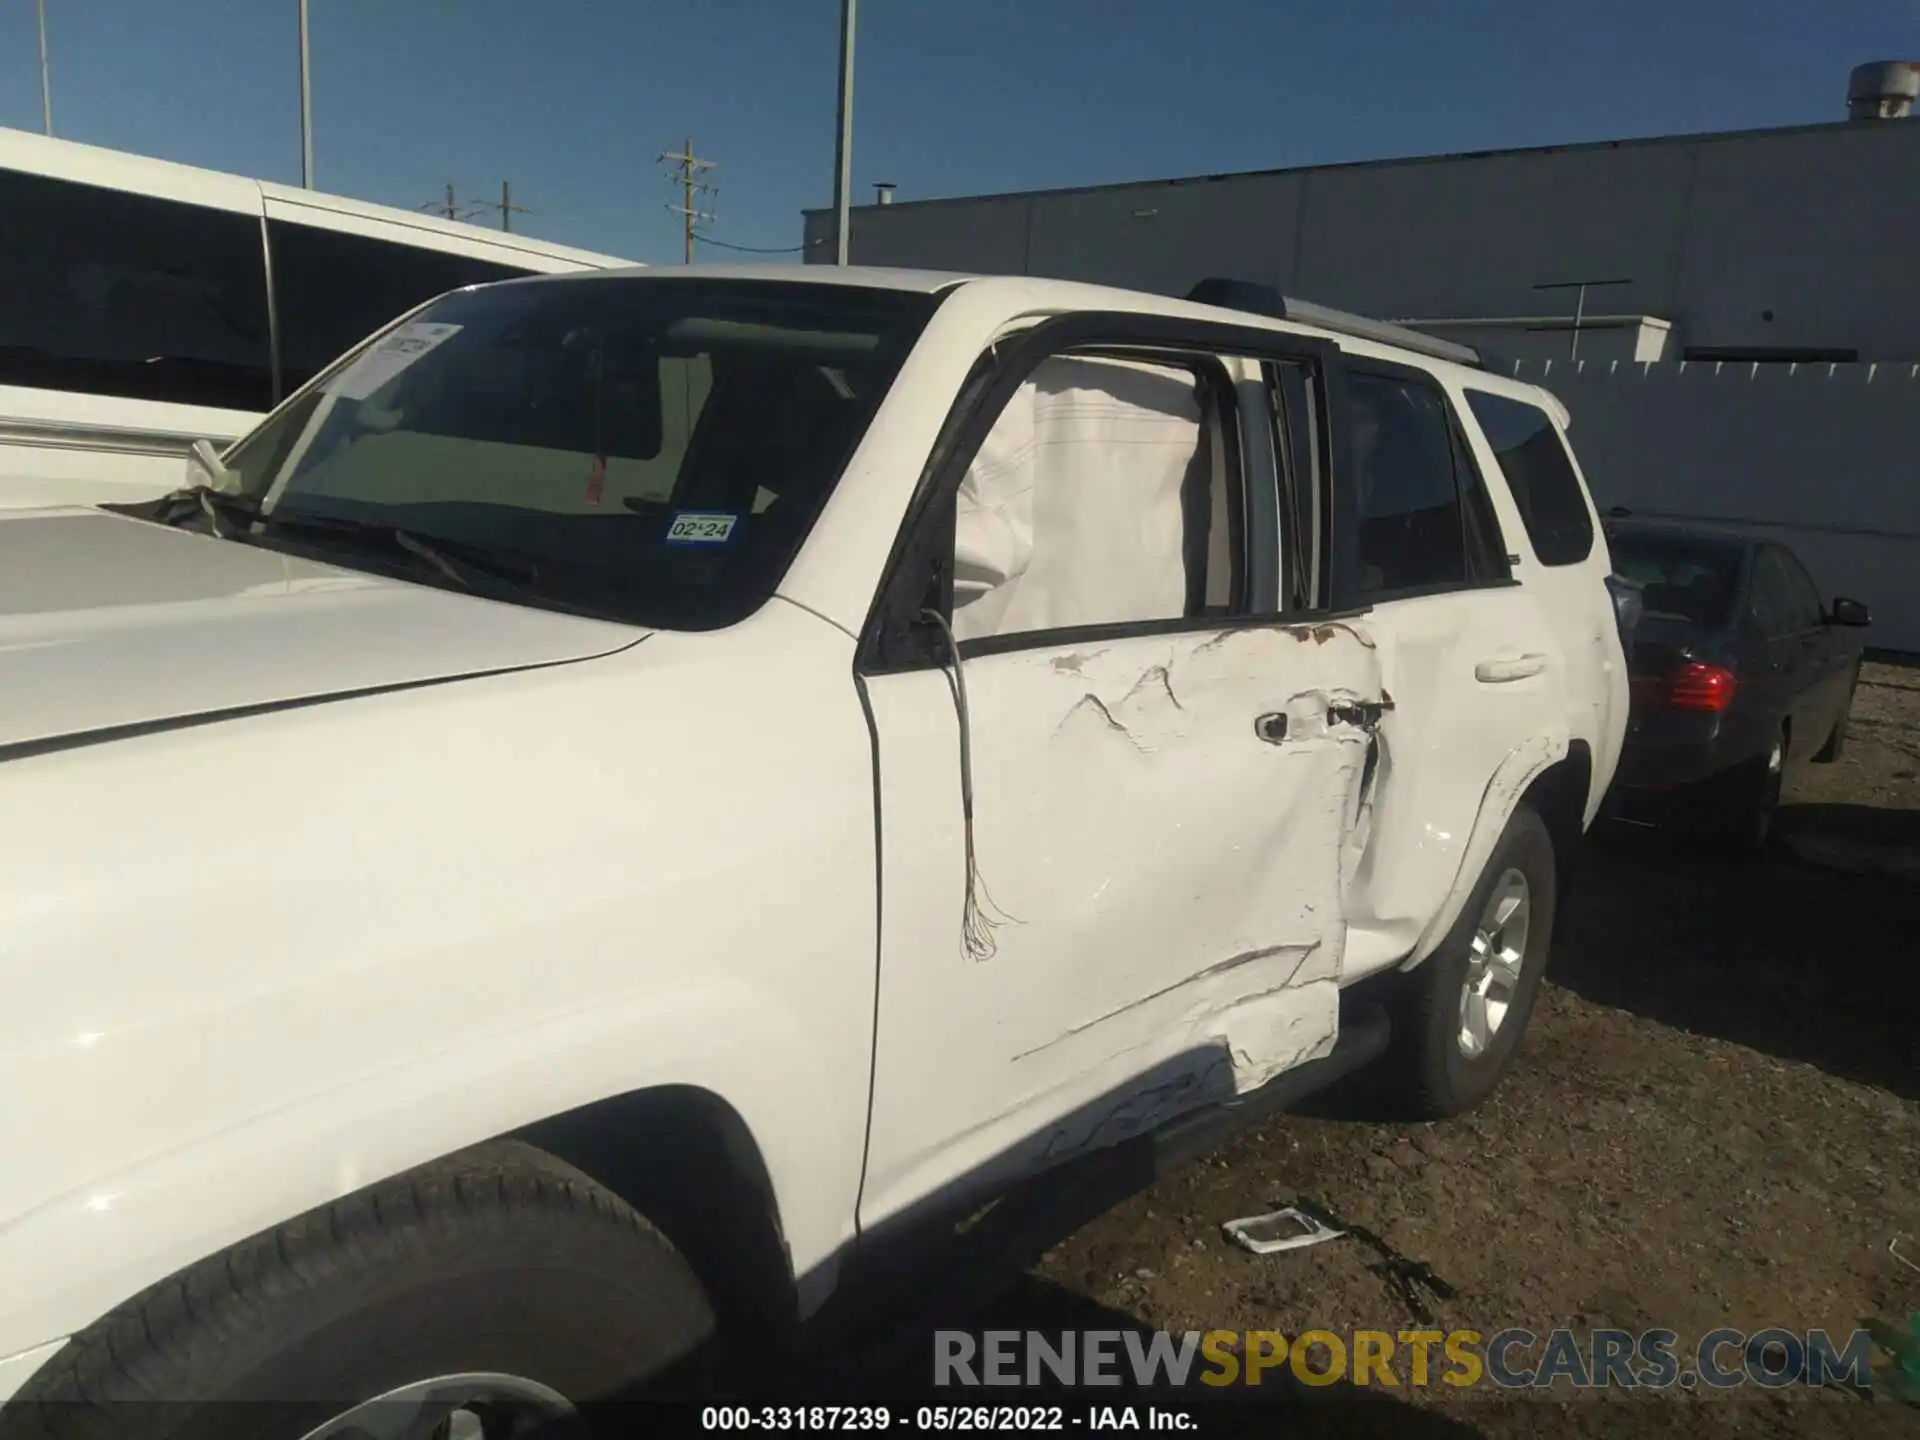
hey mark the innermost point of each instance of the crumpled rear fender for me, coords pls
(1526, 763)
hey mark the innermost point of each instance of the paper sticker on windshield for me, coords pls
(390, 357)
(701, 528)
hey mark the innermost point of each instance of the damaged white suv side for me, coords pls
(635, 801)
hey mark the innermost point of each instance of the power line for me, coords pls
(686, 172)
(752, 249)
(450, 209)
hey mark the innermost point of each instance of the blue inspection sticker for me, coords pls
(702, 527)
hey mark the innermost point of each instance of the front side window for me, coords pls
(1809, 610)
(1105, 494)
(651, 449)
(1773, 603)
(108, 293)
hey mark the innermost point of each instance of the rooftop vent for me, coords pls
(1883, 90)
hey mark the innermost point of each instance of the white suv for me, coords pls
(635, 801)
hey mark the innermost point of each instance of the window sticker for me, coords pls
(391, 356)
(701, 527)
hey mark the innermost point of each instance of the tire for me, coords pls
(1432, 1071)
(1742, 827)
(1837, 742)
(500, 1261)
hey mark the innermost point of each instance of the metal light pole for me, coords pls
(306, 106)
(843, 142)
(46, 90)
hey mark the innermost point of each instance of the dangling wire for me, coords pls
(977, 921)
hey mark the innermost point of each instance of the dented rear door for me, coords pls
(1143, 913)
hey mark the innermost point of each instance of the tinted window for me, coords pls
(1423, 520)
(1682, 577)
(333, 290)
(115, 294)
(1773, 602)
(1809, 611)
(1540, 476)
(652, 449)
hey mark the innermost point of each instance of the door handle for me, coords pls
(1506, 668)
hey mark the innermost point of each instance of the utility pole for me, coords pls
(843, 138)
(686, 172)
(504, 205)
(306, 106)
(46, 90)
(507, 208)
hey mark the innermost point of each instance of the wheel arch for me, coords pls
(687, 1160)
(1559, 795)
(1551, 773)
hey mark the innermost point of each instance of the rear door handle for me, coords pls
(1504, 669)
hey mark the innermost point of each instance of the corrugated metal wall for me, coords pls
(1826, 457)
(1813, 227)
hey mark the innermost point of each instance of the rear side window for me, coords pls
(1541, 477)
(333, 290)
(106, 293)
(1424, 521)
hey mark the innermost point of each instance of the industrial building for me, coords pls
(1764, 280)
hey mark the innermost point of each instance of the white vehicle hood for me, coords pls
(108, 622)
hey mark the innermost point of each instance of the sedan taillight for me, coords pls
(1699, 686)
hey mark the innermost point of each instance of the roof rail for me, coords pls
(1265, 300)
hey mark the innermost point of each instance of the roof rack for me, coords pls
(1265, 300)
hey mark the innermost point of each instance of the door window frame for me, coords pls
(919, 571)
(1483, 544)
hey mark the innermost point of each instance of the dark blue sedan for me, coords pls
(1741, 673)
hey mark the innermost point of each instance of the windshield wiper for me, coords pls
(229, 514)
(452, 558)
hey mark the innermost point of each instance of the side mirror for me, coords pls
(1849, 612)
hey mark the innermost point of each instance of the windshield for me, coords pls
(1695, 579)
(656, 449)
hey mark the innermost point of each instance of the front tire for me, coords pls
(1459, 1020)
(1836, 745)
(512, 1282)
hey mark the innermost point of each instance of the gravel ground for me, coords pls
(1716, 1121)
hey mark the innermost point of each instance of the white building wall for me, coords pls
(1814, 226)
(1826, 457)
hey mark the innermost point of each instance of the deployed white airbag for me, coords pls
(1071, 513)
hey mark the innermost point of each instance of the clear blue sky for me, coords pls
(573, 99)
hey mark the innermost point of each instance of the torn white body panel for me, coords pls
(1162, 887)
(1034, 548)
(1474, 680)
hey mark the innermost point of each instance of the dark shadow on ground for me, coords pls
(1802, 961)
(1867, 825)
(1279, 1405)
